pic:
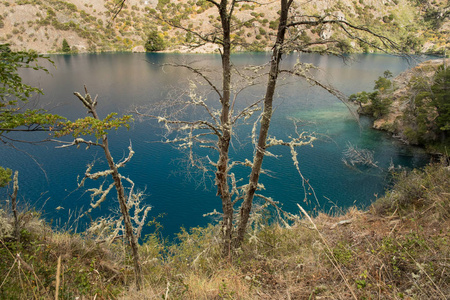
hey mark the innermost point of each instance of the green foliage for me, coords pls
(435, 17)
(426, 116)
(92, 126)
(400, 253)
(362, 283)
(412, 44)
(388, 19)
(5, 176)
(375, 104)
(155, 42)
(225, 292)
(387, 74)
(429, 120)
(361, 97)
(13, 92)
(31, 119)
(12, 88)
(382, 84)
(372, 104)
(379, 105)
(256, 46)
(343, 254)
(162, 3)
(304, 37)
(273, 24)
(65, 46)
(441, 98)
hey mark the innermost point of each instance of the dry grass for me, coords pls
(398, 249)
(39, 259)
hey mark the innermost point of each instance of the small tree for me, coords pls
(98, 127)
(65, 46)
(377, 103)
(431, 111)
(441, 99)
(155, 42)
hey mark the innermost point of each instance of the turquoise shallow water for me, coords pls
(48, 176)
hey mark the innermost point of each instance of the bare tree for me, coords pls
(98, 126)
(215, 131)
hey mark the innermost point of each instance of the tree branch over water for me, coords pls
(216, 129)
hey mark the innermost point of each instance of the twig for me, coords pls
(167, 291)
(14, 204)
(58, 277)
(423, 270)
(7, 274)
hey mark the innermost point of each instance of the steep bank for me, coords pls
(413, 106)
(398, 249)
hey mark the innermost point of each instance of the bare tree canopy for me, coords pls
(215, 130)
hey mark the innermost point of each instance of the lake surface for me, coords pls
(48, 176)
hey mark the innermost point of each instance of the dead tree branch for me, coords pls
(354, 156)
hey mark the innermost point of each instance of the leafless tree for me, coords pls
(215, 131)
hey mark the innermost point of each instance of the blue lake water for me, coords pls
(48, 176)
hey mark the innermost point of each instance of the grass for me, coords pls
(30, 262)
(396, 249)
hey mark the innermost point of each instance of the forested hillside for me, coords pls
(49, 26)
(414, 106)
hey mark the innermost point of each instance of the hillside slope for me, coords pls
(42, 25)
(414, 106)
(398, 249)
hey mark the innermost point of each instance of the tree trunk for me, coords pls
(125, 213)
(265, 124)
(14, 205)
(224, 141)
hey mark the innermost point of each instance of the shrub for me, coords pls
(273, 25)
(425, 189)
(65, 46)
(155, 42)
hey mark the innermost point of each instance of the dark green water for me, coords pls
(48, 176)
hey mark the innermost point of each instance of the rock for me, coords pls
(139, 49)
(340, 223)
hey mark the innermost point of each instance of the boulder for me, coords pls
(139, 49)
